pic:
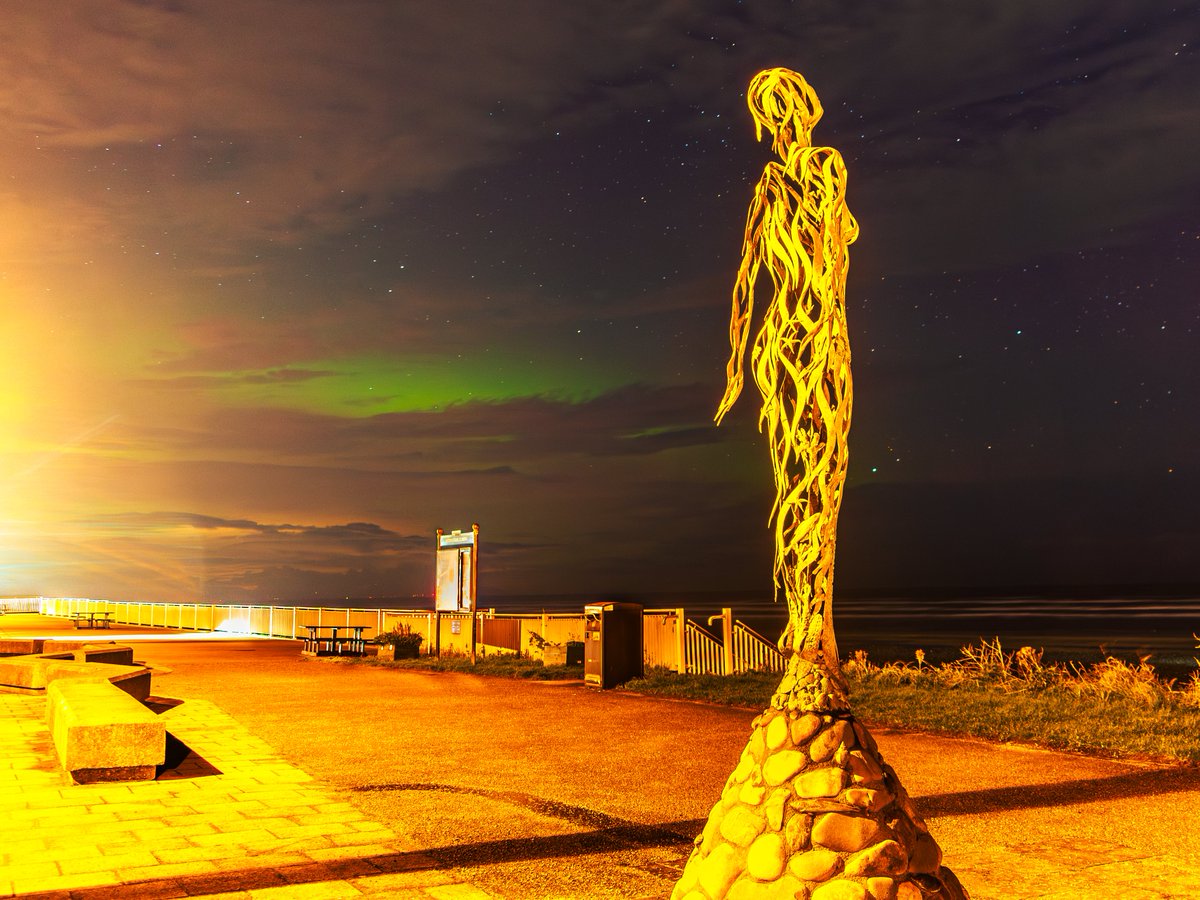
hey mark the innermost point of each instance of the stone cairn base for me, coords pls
(812, 812)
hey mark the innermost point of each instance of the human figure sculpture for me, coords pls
(800, 229)
(811, 811)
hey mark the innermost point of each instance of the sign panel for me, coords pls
(456, 539)
(449, 582)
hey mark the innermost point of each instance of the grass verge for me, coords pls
(1112, 708)
(497, 665)
(1053, 717)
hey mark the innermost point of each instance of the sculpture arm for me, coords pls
(743, 294)
(837, 227)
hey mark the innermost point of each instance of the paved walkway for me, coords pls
(229, 818)
(314, 779)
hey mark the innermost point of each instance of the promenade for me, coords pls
(317, 779)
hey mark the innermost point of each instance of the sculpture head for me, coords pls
(781, 101)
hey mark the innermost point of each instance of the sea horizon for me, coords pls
(1071, 624)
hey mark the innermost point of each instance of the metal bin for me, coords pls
(612, 643)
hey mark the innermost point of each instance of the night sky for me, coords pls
(286, 286)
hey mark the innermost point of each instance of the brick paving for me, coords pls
(229, 819)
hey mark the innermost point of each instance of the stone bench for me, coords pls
(34, 673)
(101, 730)
(101, 733)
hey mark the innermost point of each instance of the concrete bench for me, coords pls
(34, 674)
(101, 730)
(101, 733)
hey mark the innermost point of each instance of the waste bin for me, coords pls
(612, 643)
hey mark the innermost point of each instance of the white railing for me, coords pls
(669, 638)
(754, 653)
(19, 604)
(704, 654)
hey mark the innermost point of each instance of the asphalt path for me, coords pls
(536, 790)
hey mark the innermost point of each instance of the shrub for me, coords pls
(406, 641)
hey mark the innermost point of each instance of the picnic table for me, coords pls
(335, 640)
(95, 619)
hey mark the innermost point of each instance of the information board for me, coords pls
(457, 556)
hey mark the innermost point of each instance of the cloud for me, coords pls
(205, 131)
(278, 120)
(273, 376)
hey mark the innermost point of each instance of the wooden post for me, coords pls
(727, 628)
(474, 586)
(437, 613)
(681, 640)
(726, 618)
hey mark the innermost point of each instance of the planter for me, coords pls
(568, 654)
(392, 652)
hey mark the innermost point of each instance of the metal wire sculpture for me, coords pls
(799, 228)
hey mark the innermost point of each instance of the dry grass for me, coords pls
(1023, 671)
(1114, 707)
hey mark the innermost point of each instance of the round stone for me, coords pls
(909, 891)
(741, 826)
(719, 870)
(905, 832)
(864, 768)
(777, 732)
(745, 766)
(711, 829)
(864, 737)
(685, 889)
(774, 808)
(910, 808)
(757, 745)
(926, 856)
(804, 727)
(781, 766)
(884, 858)
(751, 794)
(839, 831)
(747, 888)
(815, 865)
(881, 888)
(869, 799)
(826, 743)
(840, 890)
(796, 832)
(826, 782)
(766, 858)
